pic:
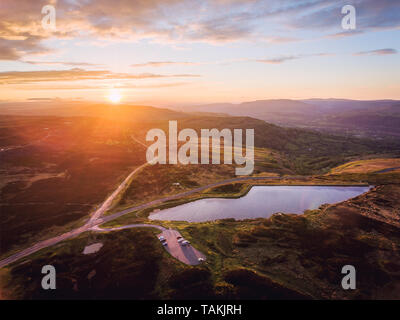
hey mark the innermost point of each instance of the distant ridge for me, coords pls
(120, 112)
(362, 118)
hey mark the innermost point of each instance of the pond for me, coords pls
(260, 202)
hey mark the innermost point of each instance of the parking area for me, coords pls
(181, 251)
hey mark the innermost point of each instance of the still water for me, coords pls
(260, 202)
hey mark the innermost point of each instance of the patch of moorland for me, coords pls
(304, 151)
(51, 184)
(385, 178)
(157, 181)
(139, 269)
(131, 264)
(368, 166)
(283, 257)
(87, 158)
(305, 253)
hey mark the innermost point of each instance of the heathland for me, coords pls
(56, 169)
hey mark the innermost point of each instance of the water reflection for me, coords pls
(260, 202)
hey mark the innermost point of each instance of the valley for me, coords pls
(83, 160)
(378, 119)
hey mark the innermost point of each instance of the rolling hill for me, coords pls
(117, 112)
(380, 118)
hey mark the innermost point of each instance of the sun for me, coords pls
(114, 96)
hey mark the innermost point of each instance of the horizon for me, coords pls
(172, 105)
(185, 52)
(212, 151)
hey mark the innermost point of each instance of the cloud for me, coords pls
(278, 60)
(282, 59)
(21, 77)
(378, 52)
(55, 63)
(151, 86)
(162, 64)
(371, 15)
(281, 39)
(181, 21)
(8, 53)
(347, 33)
(16, 49)
(104, 86)
(21, 32)
(174, 21)
(40, 99)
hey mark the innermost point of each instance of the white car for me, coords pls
(161, 238)
(185, 242)
(200, 259)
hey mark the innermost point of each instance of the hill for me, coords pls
(118, 112)
(379, 119)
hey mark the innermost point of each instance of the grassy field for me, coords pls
(367, 166)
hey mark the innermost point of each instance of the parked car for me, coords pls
(201, 259)
(161, 238)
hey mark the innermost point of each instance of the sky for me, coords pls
(179, 52)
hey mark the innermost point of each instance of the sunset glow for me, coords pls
(114, 96)
(187, 150)
(185, 52)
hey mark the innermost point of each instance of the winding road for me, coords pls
(97, 217)
(107, 204)
(128, 226)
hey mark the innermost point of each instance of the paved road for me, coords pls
(186, 254)
(116, 215)
(107, 204)
(41, 245)
(97, 220)
(87, 226)
(128, 226)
